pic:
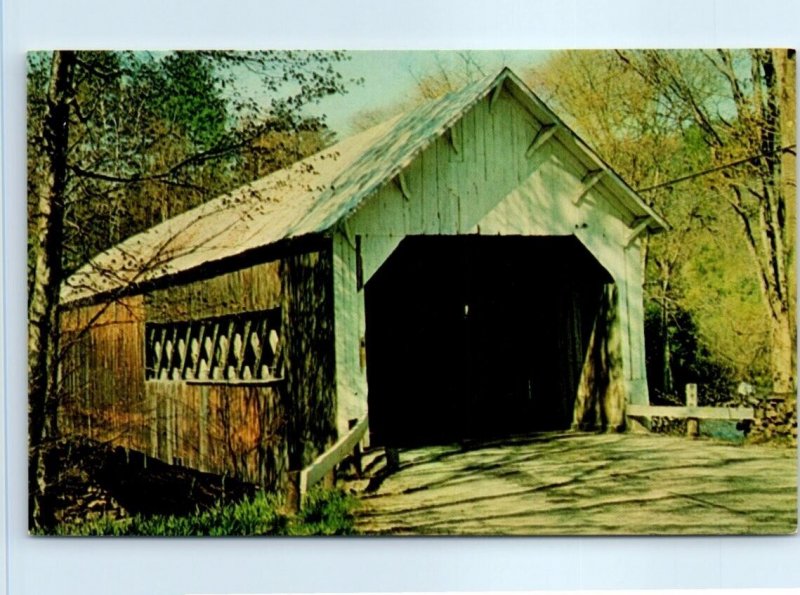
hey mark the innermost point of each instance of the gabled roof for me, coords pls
(312, 196)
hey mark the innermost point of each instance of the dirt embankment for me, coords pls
(87, 479)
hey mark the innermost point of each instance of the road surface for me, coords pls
(586, 484)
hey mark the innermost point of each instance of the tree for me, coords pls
(43, 316)
(624, 119)
(452, 71)
(749, 137)
(654, 130)
(112, 134)
(156, 134)
(698, 132)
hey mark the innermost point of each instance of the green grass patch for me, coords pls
(326, 512)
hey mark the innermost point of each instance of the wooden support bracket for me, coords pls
(455, 141)
(325, 463)
(542, 136)
(402, 184)
(348, 234)
(638, 227)
(589, 181)
(495, 94)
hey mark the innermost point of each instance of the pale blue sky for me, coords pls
(391, 76)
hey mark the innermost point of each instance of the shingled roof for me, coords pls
(312, 196)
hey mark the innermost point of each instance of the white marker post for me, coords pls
(692, 423)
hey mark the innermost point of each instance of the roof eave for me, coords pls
(575, 143)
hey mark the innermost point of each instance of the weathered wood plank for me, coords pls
(543, 135)
(447, 188)
(430, 192)
(589, 181)
(467, 184)
(638, 228)
(677, 411)
(325, 463)
(235, 382)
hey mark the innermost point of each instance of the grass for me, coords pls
(326, 512)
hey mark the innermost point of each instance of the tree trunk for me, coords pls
(783, 358)
(784, 333)
(43, 317)
(666, 351)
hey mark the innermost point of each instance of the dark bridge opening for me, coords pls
(475, 336)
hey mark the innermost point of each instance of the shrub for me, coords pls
(326, 512)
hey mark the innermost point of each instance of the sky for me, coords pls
(391, 76)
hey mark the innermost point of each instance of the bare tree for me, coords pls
(105, 136)
(47, 246)
(750, 136)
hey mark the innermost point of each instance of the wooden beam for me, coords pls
(185, 358)
(201, 338)
(639, 226)
(729, 413)
(454, 138)
(347, 232)
(243, 354)
(496, 94)
(542, 136)
(589, 181)
(359, 265)
(325, 463)
(222, 382)
(692, 423)
(402, 184)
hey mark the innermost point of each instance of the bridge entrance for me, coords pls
(475, 336)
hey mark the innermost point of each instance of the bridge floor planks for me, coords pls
(587, 484)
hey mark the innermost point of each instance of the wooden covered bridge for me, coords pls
(468, 269)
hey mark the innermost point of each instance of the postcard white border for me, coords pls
(122, 567)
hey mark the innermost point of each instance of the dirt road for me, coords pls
(570, 484)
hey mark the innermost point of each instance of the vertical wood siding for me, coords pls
(350, 327)
(491, 187)
(308, 344)
(102, 373)
(253, 288)
(237, 430)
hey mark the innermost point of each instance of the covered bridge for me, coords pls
(469, 268)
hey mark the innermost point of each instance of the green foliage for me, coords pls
(181, 88)
(687, 360)
(654, 117)
(327, 512)
(153, 134)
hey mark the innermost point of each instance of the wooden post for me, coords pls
(293, 497)
(203, 429)
(392, 459)
(692, 423)
(356, 451)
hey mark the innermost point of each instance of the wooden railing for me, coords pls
(686, 412)
(300, 482)
(691, 412)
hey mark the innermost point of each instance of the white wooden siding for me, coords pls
(492, 188)
(349, 327)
